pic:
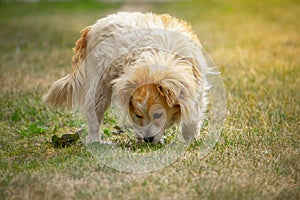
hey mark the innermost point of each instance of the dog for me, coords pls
(151, 65)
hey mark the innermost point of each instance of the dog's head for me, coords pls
(152, 111)
(154, 96)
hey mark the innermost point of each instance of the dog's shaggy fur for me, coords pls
(152, 65)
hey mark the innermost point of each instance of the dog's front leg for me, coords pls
(190, 130)
(96, 112)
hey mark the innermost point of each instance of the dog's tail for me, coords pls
(60, 93)
(65, 91)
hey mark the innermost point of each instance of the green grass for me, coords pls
(256, 46)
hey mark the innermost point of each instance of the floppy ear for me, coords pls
(122, 91)
(180, 93)
(127, 83)
(169, 95)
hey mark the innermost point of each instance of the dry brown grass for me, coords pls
(255, 44)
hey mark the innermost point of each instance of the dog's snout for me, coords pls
(149, 139)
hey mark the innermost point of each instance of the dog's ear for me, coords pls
(125, 85)
(123, 89)
(169, 95)
(180, 91)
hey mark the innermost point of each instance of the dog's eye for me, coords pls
(138, 116)
(157, 115)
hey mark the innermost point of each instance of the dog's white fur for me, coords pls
(123, 51)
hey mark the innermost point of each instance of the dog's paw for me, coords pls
(90, 140)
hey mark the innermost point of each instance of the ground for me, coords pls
(256, 45)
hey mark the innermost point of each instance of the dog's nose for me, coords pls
(149, 139)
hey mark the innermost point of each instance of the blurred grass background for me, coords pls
(256, 45)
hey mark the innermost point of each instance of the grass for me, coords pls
(256, 46)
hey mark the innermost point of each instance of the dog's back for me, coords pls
(71, 89)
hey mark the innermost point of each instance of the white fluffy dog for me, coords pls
(152, 65)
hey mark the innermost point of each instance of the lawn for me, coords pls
(256, 45)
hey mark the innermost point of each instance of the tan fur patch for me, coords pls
(167, 20)
(80, 49)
